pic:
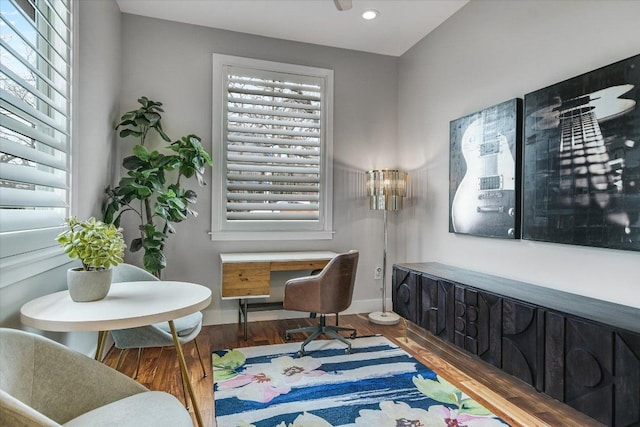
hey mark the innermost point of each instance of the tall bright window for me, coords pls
(272, 131)
(35, 132)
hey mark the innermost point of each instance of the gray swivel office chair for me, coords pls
(158, 334)
(328, 292)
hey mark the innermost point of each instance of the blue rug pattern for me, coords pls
(378, 384)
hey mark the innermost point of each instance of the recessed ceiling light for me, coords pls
(370, 14)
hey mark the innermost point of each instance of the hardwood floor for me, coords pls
(514, 401)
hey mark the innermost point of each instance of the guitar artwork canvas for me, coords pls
(581, 177)
(483, 172)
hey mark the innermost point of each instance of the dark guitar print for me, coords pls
(588, 177)
(484, 202)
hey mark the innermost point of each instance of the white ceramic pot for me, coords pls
(87, 286)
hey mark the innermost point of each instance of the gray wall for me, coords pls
(488, 52)
(99, 44)
(172, 63)
(96, 103)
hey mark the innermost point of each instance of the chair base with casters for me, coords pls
(319, 329)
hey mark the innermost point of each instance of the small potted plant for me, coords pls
(99, 247)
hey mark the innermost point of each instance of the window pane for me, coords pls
(273, 147)
(34, 120)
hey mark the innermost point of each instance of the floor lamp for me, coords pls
(386, 188)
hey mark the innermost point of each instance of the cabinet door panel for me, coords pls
(444, 317)
(554, 355)
(579, 365)
(405, 294)
(429, 304)
(627, 387)
(589, 369)
(520, 338)
(478, 323)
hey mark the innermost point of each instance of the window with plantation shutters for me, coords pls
(35, 128)
(273, 170)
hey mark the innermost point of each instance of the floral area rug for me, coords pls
(378, 384)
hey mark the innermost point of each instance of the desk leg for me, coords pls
(243, 310)
(102, 338)
(185, 373)
(246, 312)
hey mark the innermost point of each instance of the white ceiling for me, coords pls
(401, 24)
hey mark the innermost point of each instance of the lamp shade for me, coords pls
(386, 188)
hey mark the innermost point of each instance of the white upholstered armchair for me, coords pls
(43, 383)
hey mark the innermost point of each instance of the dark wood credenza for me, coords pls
(581, 351)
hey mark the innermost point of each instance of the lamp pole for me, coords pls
(384, 267)
(384, 317)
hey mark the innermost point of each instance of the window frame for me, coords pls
(221, 229)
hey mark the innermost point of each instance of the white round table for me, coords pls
(128, 305)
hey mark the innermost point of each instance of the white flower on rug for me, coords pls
(398, 414)
(262, 383)
(453, 417)
(307, 420)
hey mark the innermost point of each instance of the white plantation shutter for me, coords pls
(274, 158)
(35, 129)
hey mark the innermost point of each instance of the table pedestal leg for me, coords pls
(185, 373)
(102, 338)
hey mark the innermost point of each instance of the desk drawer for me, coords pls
(245, 279)
(298, 265)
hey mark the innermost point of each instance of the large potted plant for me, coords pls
(152, 187)
(99, 247)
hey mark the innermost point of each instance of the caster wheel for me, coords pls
(353, 335)
(300, 353)
(347, 350)
(287, 337)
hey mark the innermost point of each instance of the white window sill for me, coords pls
(270, 235)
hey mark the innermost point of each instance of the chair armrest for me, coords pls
(16, 413)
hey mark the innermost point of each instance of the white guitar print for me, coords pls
(484, 202)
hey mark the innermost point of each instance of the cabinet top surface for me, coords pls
(617, 315)
(277, 256)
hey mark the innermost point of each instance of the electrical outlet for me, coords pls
(377, 274)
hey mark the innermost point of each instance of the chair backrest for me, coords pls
(337, 280)
(131, 273)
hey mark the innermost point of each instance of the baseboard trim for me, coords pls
(230, 315)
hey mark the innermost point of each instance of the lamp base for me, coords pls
(386, 318)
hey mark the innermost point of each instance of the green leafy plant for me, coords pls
(97, 245)
(147, 190)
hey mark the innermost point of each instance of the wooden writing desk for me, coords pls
(248, 275)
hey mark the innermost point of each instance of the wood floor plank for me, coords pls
(513, 400)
